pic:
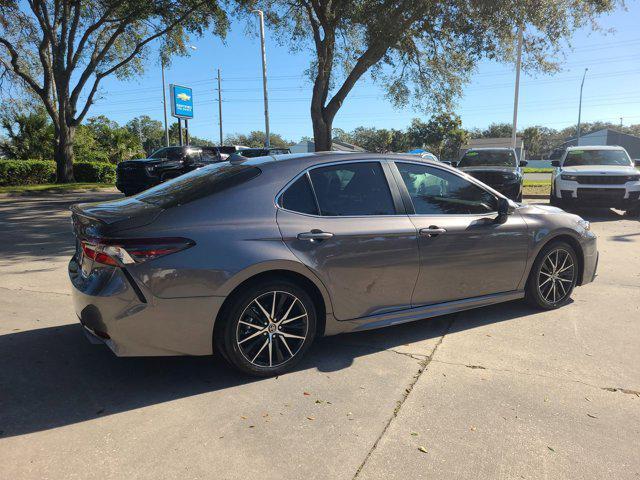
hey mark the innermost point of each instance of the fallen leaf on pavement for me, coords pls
(591, 416)
(311, 418)
(422, 449)
(415, 434)
(550, 448)
(306, 394)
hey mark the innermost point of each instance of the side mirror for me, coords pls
(446, 162)
(555, 163)
(504, 210)
(523, 163)
(454, 164)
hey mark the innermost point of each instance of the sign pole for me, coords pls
(186, 132)
(180, 131)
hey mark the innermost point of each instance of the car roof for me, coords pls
(596, 147)
(307, 160)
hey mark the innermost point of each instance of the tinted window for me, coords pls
(172, 153)
(198, 184)
(352, 189)
(596, 157)
(209, 156)
(481, 158)
(299, 197)
(436, 192)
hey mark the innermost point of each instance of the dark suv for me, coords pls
(261, 152)
(497, 167)
(134, 176)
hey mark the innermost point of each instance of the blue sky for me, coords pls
(611, 89)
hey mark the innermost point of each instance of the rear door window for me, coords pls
(299, 197)
(354, 189)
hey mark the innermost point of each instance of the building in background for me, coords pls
(606, 136)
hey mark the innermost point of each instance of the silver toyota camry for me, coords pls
(254, 258)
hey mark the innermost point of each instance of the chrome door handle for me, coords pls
(432, 231)
(315, 235)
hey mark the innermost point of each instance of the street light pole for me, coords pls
(517, 89)
(164, 105)
(264, 79)
(580, 106)
(220, 104)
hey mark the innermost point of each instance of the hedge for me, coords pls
(30, 172)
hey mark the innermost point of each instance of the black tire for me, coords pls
(561, 281)
(246, 326)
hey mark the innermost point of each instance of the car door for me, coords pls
(345, 224)
(464, 252)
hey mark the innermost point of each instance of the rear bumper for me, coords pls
(132, 322)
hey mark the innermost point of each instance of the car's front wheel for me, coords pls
(553, 276)
(269, 328)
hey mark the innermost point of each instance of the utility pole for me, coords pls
(264, 79)
(220, 105)
(580, 106)
(517, 89)
(164, 105)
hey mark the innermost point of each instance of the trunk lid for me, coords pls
(104, 219)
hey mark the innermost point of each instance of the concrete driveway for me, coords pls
(500, 392)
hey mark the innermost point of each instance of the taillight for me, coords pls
(116, 252)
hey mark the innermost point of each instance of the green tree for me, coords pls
(442, 134)
(372, 139)
(498, 130)
(116, 142)
(29, 133)
(149, 131)
(255, 139)
(61, 50)
(421, 52)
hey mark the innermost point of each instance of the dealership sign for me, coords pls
(181, 102)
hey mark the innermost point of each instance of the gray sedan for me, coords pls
(255, 258)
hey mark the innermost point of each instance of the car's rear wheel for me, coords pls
(269, 328)
(553, 276)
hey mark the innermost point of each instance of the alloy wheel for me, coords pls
(272, 329)
(556, 276)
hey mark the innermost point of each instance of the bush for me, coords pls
(26, 172)
(30, 172)
(100, 172)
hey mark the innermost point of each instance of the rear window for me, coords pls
(198, 184)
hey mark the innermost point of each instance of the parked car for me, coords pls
(133, 176)
(261, 152)
(226, 150)
(497, 167)
(257, 257)
(596, 176)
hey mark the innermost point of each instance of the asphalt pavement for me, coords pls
(499, 392)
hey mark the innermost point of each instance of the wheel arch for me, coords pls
(291, 271)
(559, 237)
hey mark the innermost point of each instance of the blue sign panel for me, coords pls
(181, 102)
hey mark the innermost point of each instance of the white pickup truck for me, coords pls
(596, 176)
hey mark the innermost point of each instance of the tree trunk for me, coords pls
(322, 134)
(64, 155)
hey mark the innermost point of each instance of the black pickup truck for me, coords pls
(133, 176)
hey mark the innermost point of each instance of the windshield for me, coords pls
(493, 158)
(198, 184)
(596, 157)
(172, 153)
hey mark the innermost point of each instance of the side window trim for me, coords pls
(313, 192)
(407, 198)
